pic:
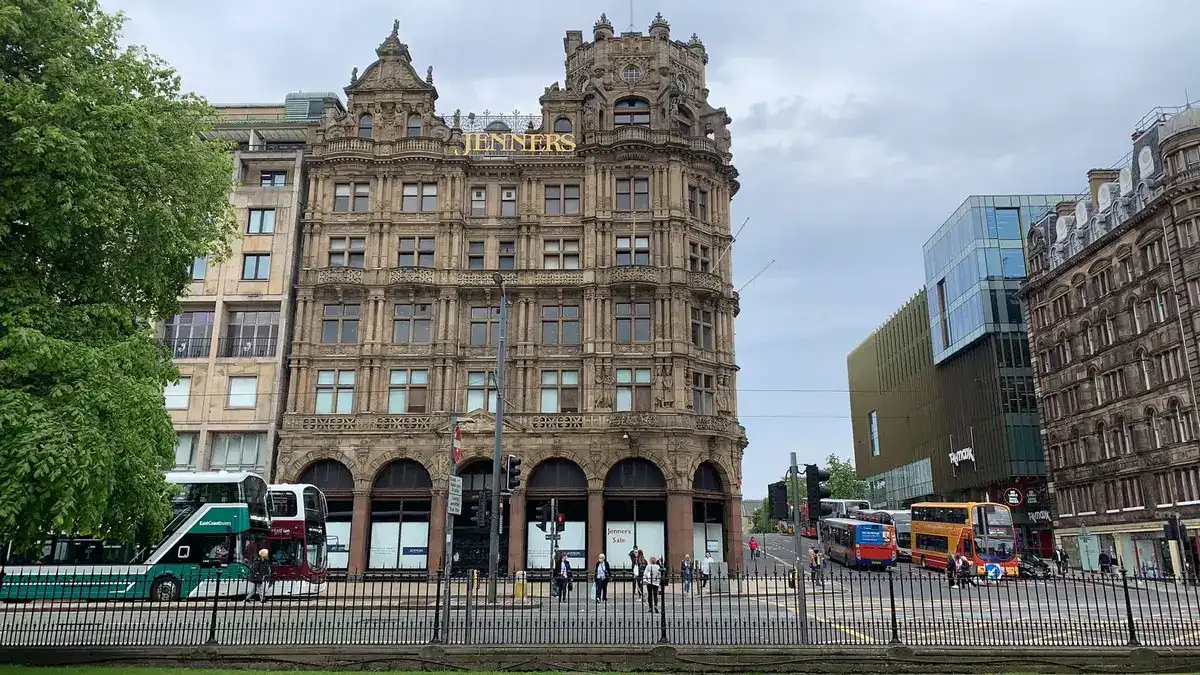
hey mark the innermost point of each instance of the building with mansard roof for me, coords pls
(603, 220)
(1112, 304)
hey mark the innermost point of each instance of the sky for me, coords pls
(858, 127)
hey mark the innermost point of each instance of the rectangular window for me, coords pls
(633, 251)
(481, 387)
(560, 325)
(560, 391)
(508, 202)
(185, 451)
(251, 334)
(256, 266)
(418, 197)
(339, 324)
(237, 451)
(335, 392)
(633, 322)
(407, 391)
(262, 221)
(1102, 282)
(272, 179)
(698, 203)
(349, 197)
(411, 324)
(347, 252)
(198, 269)
(475, 255)
(416, 252)
(633, 194)
(478, 202)
(1152, 254)
(508, 255)
(704, 206)
(177, 393)
(189, 334)
(560, 254)
(1170, 365)
(699, 257)
(485, 326)
(243, 392)
(562, 200)
(702, 328)
(873, 430)
(702, 393)
(633, 389)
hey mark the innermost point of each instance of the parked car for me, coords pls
(1030, 566)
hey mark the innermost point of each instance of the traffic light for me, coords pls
(559, 521)
(479, 510)
(1175, 529)
(818, 489)
(513, 470)
(777, 501)
(542, 516)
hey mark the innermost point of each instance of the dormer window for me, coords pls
(562, 125)
(631, 112)
(364, 126)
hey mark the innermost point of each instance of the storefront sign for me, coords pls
(965, 455)
(1039, 516)
(1031, 496)
(504, 143)
(1013, 497)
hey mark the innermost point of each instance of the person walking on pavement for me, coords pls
(952, 571)
(653, 582)
(685, 573)
(753, 548)
(260, 576)
(1060, 559)
(562, 574)
(814, 565)
(639, 573)
(705, 570)
(601, 579)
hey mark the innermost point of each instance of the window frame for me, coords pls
(556, 316)
(406, 389)
(639, 392)
(559, 389)
(629, 251)
(631, 321)
(414, 319)
(261, 265)
(347, 252)
(563, 203)
(634, 191)
(417, 252)
(563, 254)
(483, 387)
(704, 393)
(249, 403)
(180, 392)
(703, 327)
(699, 257)
(338, 391)
(491, 324)
(340, 322)
(423, 197)
(356, 197)
(262, 226)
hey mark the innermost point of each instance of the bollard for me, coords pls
(519, 585)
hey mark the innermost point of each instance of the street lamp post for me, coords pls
(501, 348)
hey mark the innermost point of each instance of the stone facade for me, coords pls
(1113, 305)
(612, 240)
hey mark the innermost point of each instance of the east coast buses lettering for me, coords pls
(508, 142)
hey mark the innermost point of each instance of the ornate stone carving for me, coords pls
(320, 423)
(635, 419)
(625, 275)
(403, 423)
(635, 348)
(557, 422)
(411, 275)
(340, 275)
(705, 280)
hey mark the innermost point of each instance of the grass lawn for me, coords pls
(104, 670)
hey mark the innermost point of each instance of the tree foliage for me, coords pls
(107, 193)
(844, 483)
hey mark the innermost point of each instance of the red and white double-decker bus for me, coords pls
(299, 553)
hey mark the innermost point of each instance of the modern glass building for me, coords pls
(974, 265)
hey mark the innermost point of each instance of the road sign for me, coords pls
(1013, 497)
(993, 571)
(553, 537)
(456, 447)
(454, 496)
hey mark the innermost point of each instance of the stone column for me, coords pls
(437, 532)
(733, 534)
(597, 529)
(360, 528)
(517, 530)
(679, 527)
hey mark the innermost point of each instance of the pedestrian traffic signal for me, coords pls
(1175, 529)
(559, 521)
(777, 501)
(479, 509)
(513, 472)
(818, 489)
(542, 516)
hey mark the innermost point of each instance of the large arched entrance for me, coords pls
(335, 480)
(708, 512)
(563, 482)
(471, 541)
(635, 511)
(400, 504)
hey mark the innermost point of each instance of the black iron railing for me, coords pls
(188, 348)
(909, 607)
(256, 347)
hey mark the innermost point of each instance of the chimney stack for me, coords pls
(1098, 177)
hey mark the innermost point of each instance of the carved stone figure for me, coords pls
(457, 118)
(354, 76)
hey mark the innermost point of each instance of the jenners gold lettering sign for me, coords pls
(481, 142)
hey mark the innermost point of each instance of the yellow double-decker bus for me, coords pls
(983, 531)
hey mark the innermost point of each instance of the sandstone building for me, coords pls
(606, 217)
(1113, 301)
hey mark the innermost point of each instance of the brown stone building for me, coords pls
(1113, 305)
(606, 215)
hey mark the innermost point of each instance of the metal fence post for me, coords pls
(437, 611)
(892, 598)
(801, 600)
(662, 610)
(212, 623)
(1133, 638)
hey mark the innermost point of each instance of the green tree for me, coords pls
(107, 193)
(844, 482)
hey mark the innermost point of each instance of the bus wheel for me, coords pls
(165, 589)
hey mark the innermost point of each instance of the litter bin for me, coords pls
(519, 588)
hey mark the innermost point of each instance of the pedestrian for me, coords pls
(753, 548)
(952, 571)
(685, 573)
(966, 572)
(562, 574)
(1105, 562)
(639, 572)
(601, 579)
(705, 570)
(653, 581)
(814, 565)
(1060, 559)
(260, 576)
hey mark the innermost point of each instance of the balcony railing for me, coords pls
(188, 347)
(247, 348)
